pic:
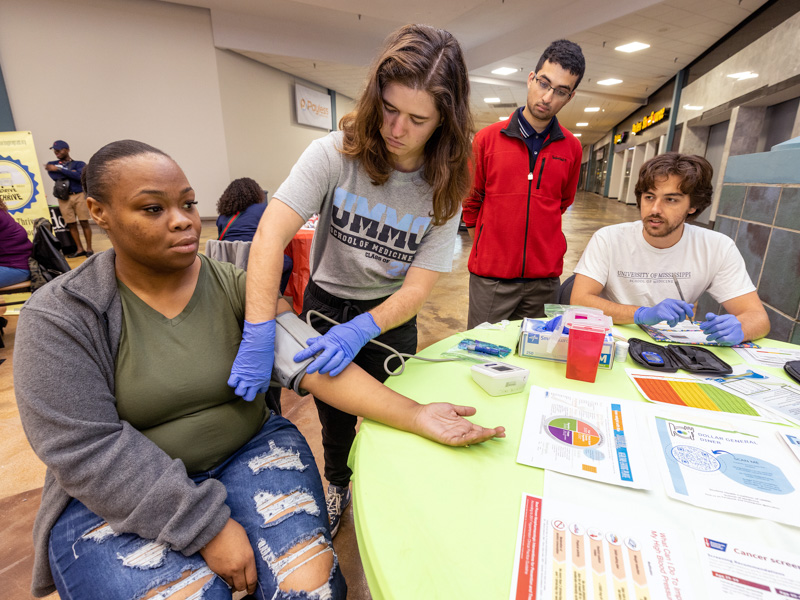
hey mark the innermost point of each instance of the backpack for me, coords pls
(46, 262)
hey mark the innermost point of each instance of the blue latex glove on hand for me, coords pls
(723, 329)
(252, 368)
(669, 310)
(339, 346)
(553, 324)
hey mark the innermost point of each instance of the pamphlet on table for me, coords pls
(685, 332)
(588, 436)
(735, 569)
(567, 551)
(709, 464)
(768, 357)
(687, 390)
(760, 389)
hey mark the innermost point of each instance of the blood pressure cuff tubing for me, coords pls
(694, 359)
(291, 334)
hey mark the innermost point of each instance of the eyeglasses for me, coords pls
(544, 86)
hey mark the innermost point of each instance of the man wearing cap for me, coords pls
(74, 208)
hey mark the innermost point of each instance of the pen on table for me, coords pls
(680, 293)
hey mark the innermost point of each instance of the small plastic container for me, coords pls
(621, 351)
(587, 330)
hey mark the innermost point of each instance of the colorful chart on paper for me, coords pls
(687, 391)
(574, 432)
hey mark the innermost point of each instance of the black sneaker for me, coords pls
(77, 254)
(89, 253)
(337, 500)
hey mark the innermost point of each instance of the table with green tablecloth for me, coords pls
(440, 522)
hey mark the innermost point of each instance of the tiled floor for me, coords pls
(445, 313)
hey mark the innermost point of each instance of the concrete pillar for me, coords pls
(744, 130)
(662, 145)
(694, 140)
(649, 150)
(623, 191)
(617, 175)
(636, 164)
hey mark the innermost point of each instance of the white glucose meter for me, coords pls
(499, 379)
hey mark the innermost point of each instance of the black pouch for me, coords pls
(694, 359)
(793, 369)
(643, 353)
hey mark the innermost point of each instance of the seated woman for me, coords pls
(15, 250)
(240, 208)
(161, 482)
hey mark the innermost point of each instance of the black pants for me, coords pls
(338, 428)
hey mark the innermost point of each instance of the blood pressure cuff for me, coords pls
(291, 334)
(694, 359)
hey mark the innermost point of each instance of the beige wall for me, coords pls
(128, 69)
(263, 137)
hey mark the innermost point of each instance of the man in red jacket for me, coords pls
(526, 174)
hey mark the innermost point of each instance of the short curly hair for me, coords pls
(695, 173)
(239, 194)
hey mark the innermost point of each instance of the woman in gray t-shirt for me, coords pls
(388, 190)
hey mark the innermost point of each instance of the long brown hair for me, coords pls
(423, 58)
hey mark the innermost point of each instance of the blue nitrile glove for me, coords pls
(669, 310)
(340, 345)
(252, 368)
(553, 323)
(723, 329)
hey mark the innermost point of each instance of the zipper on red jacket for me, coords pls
(541, 170)
(531, 163)
(478, 239)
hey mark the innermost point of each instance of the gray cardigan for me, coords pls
(65, 348)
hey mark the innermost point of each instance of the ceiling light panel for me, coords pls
(504, 71)
(632, 47)
(609, 82)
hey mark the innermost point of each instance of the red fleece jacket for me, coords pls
(517, 201)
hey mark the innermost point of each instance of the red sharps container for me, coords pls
(587, 330)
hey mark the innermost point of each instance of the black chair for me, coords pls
(565, 291)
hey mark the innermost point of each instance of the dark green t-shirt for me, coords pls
(172, 374)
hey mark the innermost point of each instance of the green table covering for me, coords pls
(438, 522)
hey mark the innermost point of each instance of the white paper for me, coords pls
(708, 464)
(588, 436)
(593, 555)
(760, 389)
(768, 357)
(734, 569)
(684, 332)
(792, 440)
(685, 390)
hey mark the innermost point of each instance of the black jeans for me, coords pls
(338, 428)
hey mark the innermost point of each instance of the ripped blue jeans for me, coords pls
(274, 492)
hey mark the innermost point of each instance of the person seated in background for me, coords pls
(240, 208)
(629, 270)
(160, 476)
(15, 250)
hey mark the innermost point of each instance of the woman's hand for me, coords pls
(230, 556)
(445, 423)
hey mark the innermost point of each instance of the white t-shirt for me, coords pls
(367, 235)
(634, 272)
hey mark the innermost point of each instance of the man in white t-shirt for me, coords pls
(636, 272)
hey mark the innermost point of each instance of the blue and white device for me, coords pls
(500, 379)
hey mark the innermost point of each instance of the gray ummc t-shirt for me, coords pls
(367, 235)
(172, 374)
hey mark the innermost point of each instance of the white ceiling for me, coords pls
(330, 43)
